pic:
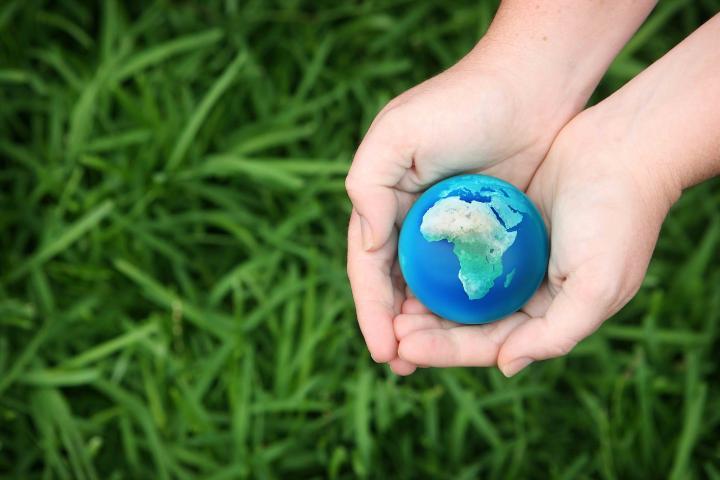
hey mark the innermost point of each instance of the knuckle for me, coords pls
(350, 183)
(349, 267)
(376, 357)
(393, 124)
(634, 283)
(562, 347)
(399, 326)
(391, 111)
(435, 343)
(353, 187)
(556, 343)
(392, 106)
(380, 355)
(601, 286)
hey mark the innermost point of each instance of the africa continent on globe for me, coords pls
(473, 249)
(480, 234)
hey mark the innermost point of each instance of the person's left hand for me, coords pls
(478, 116)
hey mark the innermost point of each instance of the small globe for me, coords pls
(473, 249)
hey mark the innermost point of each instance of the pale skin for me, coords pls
(603, 179)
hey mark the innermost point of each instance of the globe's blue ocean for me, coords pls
(473, 249)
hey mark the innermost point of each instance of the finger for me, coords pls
(467, 345)
(578, 309)
(376, 299)
(401, 367)
(413, 306)
(408, 292)
(405, 202)
(398, 283)
(381, 160)
(405, 323)
(539, 302)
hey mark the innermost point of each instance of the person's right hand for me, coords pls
(474, 117)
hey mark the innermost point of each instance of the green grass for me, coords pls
(173, 300)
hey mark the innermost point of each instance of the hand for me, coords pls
(473, 117)
(604, 190)
(497, 111)
(604, 209)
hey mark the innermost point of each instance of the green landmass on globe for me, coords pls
(480, 234)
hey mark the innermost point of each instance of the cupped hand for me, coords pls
(474, 117)
(604, 207)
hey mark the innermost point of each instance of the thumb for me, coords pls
(578, 309)
(379, 164)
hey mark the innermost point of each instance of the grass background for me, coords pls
(173, 300)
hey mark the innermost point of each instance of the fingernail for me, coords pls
(511, 368)
(366, 234)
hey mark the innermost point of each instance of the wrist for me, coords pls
(529, 67)
(667, 115)
(548, 97)
(560, 51)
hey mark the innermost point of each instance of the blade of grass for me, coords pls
(164, 51)
(59, 411)
(200, 114)
(59, 378)
(110, 347)
(27, 355)
(142, 416)
(215, 323)
(64, 240)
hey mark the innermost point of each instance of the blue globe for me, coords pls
(473, 249)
